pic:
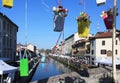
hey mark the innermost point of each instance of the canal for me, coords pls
(49, 68)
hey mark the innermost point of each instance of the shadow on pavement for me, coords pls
(106, 79)
(72, 80)
(84, 72)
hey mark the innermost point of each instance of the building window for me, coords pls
(92, 52)
(116, 52)
(103, 51)
(116, 42)
(92, 42)
(4, 41)
(0, 25)
(103, 42)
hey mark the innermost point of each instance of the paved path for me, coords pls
(85, 76)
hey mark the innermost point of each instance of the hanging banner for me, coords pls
(100, 2)
(59, 17)
(83, 29)
(24, 70)
(7, 3)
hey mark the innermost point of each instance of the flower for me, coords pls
(60, 9)
(105, 14)
(83, 17)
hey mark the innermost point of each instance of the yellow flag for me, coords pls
(83, 28)
(7, 3)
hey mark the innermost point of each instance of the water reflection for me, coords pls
(51, 68)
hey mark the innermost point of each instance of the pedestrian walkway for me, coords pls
(95, 75)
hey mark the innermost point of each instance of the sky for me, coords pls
(39, 27)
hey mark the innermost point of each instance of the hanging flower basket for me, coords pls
(59, 15)
(108, 22)
(108, 18)
(7, 3)
(83, 24)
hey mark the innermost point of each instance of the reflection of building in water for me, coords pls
(62, 68)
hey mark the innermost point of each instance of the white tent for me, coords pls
(5, 68)
(107, 61)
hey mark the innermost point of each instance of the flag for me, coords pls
(7, 3)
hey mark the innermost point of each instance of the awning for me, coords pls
(5, 68)
(107, 61)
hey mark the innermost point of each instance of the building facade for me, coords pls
(101, 45)
(71, 40)
(30, 50)
(81, 47)
(8, 37)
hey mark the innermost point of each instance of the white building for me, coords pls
(30, 48)
(101, 45)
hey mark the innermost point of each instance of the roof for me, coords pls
(104, 35)
(69, 37)
(5, 68)
(4, 16)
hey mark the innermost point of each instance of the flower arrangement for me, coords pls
(105, 14)
(83, 17)
(60, 9)
(108, 18)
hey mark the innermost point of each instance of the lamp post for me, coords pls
(113, 42)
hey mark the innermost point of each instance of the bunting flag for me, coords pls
(24, 67)
(7, 3)
(83, 28)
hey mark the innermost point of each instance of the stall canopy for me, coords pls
(5, 68)
(107, 61)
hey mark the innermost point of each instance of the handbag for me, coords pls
(24, 68)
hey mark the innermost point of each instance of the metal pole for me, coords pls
(113, 42)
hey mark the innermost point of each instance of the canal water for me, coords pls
(48, 69)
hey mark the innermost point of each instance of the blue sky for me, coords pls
(40, 19)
